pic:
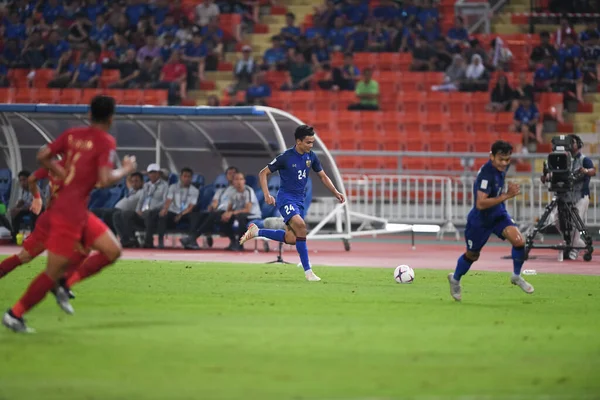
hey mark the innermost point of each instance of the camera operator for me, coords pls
(583, 168)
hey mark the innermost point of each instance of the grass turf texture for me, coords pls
(180, 330)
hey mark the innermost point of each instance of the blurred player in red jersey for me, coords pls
(88, 154)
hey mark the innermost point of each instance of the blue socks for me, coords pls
(462, 267)
(518, 256)
(273, 234)
(303, 252)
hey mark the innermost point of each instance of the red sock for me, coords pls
(90, 266)
(9, 264)
(35, 293)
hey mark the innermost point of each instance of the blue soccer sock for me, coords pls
(518, 256)
(303, 252)
(273, 234)
(462, 267)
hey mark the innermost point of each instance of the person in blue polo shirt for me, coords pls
(527, 121)
(88, 72)
(546, 77)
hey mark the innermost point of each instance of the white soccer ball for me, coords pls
(404, 274)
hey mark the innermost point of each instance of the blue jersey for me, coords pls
(491, 182)
(293, 170)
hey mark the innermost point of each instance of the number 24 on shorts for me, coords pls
(289, 208)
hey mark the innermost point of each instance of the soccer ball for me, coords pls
(404, 274)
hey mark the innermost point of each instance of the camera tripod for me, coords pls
(568, 219)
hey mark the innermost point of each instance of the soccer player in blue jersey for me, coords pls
(294, 166)
(489, 216)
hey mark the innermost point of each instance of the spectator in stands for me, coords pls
(173, 76)
(343, 78)
(500, 55)
(129, 72)
(11, 56)
(458, 36)
(401, 37)
(151, 201)
(243, 71)
(367, 91)
(304, 47)
(453, 76)
(213, 101)
(54, 49)
(159, 11)
(135, 11)
(427, 12)
(259, 92)
(503, 97)
(339, 35)
(150, 49)
(113, 217)
(565, 30)
(571, 80)
(169, 27)
(591, 59)
(52, 10)
(206, 11)
(430, 31)
(476, 76)
(79, 31)
(592, 28)
(527, 121)
(149, 74)
(476, 48)
(543, 51)
(387, 12)
(204, 222)
(87, 74)
(321, 58)
(93, 9)
(275, 57)
(169, 45)
(442, 58)
(34, 51)
(524, 88)
(299, 76)
(359, 39)
(213, 40)
(181, 200)
(355, 12)
(243, 207)
(119, 47)
(101, 33)
(21, 208)
(15, 29)
(290, 33)
(194, 55)
(327, 16)
(423, 56)
(63, 73)
(379, 38)
(569, 50)
(546, 76)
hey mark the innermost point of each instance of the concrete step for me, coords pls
(273, 19)
(300, 11)
(506, 29)
(218, 75)
(592, 97)
(516, 8)
(584, 127)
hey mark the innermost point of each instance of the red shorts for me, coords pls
(69, 239)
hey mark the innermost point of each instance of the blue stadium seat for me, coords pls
(5, 185)
(221, 182)
(98, 198)
(252, 181)
(206, 195)
(173, 178)
(273, 184)
(116, 193)
(198, 180)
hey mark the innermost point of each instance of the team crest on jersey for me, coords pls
(307, 163)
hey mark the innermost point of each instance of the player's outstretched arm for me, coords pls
(45, 157)
(329, 185)
(32, 181)
(108, 176)
(262, 179)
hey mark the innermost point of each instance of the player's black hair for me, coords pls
(186, 169)
(139, 175)
(102, 109)
(501, 147)
(24, 173)
(303, 131)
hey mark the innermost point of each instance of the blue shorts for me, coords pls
(289, 208)
(478, 232)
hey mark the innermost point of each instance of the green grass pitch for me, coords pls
(181, 330)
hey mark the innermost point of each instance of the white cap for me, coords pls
(247, 48)
(153, 168)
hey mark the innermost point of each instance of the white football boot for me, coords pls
(251, 233)
(522, 283)
(455, 289)
(311, 277)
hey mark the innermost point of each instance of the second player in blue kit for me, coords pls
(294, 166)
(489, 216)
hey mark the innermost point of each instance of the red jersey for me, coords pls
(53, 182)
(173, 71)
(84, 151)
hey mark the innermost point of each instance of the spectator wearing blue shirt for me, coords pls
(328, 16)
(194, 56)
(592, 28)
(409, 12)
(135, 10)
(457, 36)
(290, 32)
(14, 29)
(259, 92)
(359, 39)
(345, 78)
(52, 10)
(427, 12)
(168, 27)
(275, 57)
(356, 12)
(430, 31)
(93, 9)
(87, 74)
(569, 50)
(320, 56)
(213, 39)
(387, 12)
(379, 38)
(55, 48)
(591, 57)
(339, 36)
(63, 73)
(571, 80)
(527, 121)
(34, 51)
(168, 46)
(102, 32)
(317, 30)
(546, 77)
(11, 55)
(159, 10)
